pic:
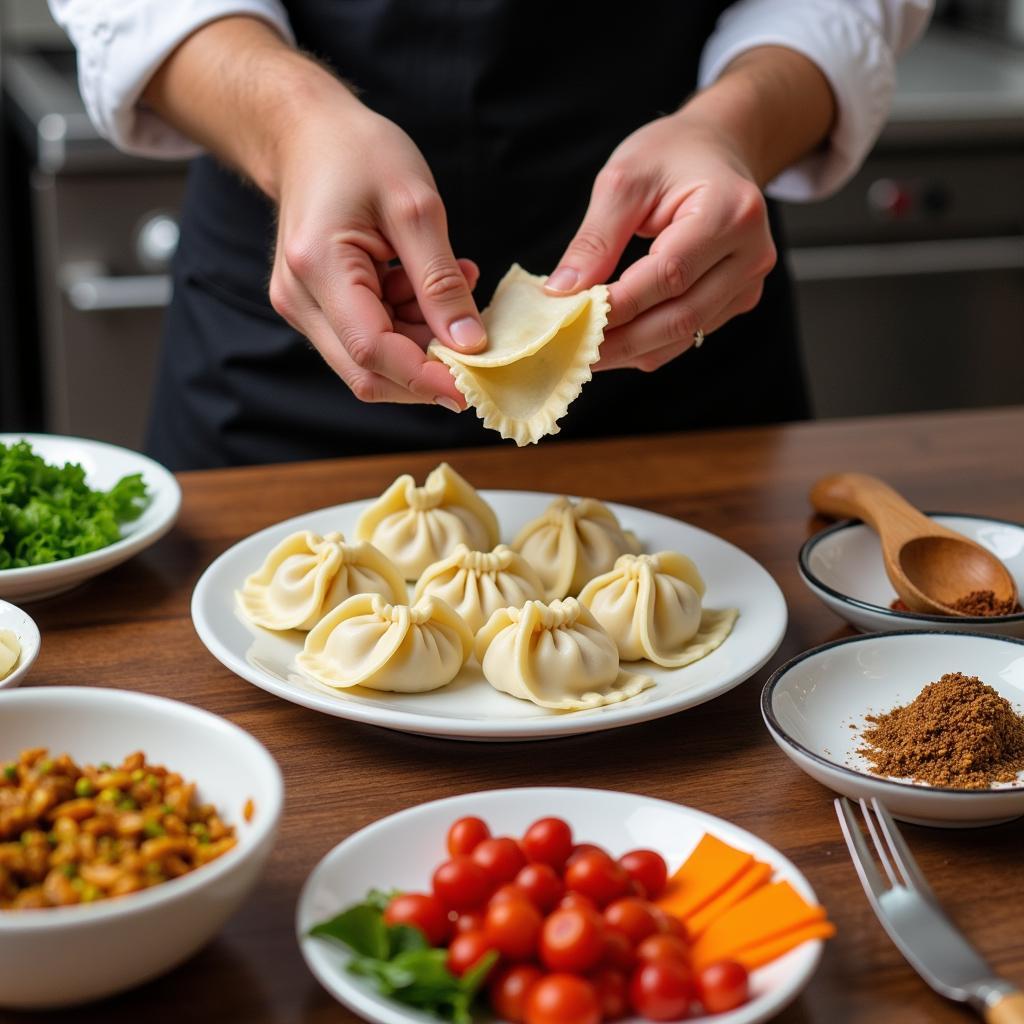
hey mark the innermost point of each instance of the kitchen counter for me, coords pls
(131, 629)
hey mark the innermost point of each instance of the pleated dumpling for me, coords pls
(10, 652)
(368, 642)
(417, 526)
(477, 583)
(307, 575)
(555, 655)
(571, 543)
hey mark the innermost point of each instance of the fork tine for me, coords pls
(874, 884)
(880, 845)
(901, 853)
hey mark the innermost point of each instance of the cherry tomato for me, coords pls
(541, 884)
(548, 841)
(618, 951)
(669, 923)
(500, 858)
(508, 990)
(466, 835)
(661, 990)
(662, 946)
(632, 917)
(422, 911)
(572, 940)
(612, 993)
(723, 986)
(513, 928)
(461, 884)
(576, 901)
(581, 848)
(466, 950)
(562, 999)
(597, 876)
(508, 891)
(648, 868)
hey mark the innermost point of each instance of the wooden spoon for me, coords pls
(930, 567)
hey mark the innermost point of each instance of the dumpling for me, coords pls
(10, 652)
(651, 607)
(555, 655)
(477, 583)
(417, 526)
(368, 642)
(307, 575)
(571, 543)
(539, 352)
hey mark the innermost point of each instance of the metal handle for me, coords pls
(89, 289)
(884, 259)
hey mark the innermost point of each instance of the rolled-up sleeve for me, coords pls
(120, 43)
(855, 43)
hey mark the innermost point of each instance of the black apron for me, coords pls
(516, 105)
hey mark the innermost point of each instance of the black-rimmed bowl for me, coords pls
(842, 565)
(816, 704)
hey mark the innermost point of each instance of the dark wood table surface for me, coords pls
(131, 629)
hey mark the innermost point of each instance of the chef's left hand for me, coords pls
(680, 181)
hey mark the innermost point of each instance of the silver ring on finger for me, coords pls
(698, 338)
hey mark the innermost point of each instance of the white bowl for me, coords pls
(843, 566)
(402, 850)
(27, 632)
(810, 703)
(67, 955)
(104, 465)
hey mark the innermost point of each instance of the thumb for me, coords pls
(617, 208)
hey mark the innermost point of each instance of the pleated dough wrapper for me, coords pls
(368, 642)
(539, 352)
(477, 583)
(10, 652)
(571, 543)
(555, 655)
(307, 575)
(417, 526)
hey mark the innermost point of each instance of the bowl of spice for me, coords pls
(843, 566)
(929, 722)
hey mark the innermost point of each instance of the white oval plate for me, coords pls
(104, 465)
(378, 856)
(810, 703)
(24, 628)
(843, 566)
(469, 708)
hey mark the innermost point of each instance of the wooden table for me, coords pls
(131, 629)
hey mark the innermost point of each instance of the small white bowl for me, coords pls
(815, 707)
(27, 632)
(104, 465)
(843, 566)
(62, 956)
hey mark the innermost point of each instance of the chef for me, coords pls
(366, 170)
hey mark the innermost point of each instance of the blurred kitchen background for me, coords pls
(910, 281)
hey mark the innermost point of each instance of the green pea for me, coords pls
(110, 795)
(154, 829)
(45, 767)
(138, 775)
(11, 772)
(69, 870)
(84, 787)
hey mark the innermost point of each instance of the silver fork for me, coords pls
(910, 912)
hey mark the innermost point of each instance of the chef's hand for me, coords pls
(691, 182)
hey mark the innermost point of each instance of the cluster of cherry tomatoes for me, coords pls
(578, 939)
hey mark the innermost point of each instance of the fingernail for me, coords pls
(467, 332)
(564, 279)
(450, 404)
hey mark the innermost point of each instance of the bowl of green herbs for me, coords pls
(71, 508)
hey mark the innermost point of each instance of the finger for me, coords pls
(418, 230)
(398, 289)
(619, 203)
(408, 310)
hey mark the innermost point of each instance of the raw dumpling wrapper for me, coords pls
(555, 655)
(651, 607)
(368, 642)
(477, 583)
(539, 352)
(10, 652)
(417, 526)
(570, 544)
(307, 575)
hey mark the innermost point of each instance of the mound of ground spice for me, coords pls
(957, 732)
(977, 602)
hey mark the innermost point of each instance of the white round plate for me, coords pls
(104, 465)
(378, 857)
(810, 704)
(842, 565)
(27, 632)
(469, 708)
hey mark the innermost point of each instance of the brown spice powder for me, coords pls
(977, 602)
(957, 733)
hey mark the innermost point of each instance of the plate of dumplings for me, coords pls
(441, 610)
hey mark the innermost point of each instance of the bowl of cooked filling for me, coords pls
(131, 828)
